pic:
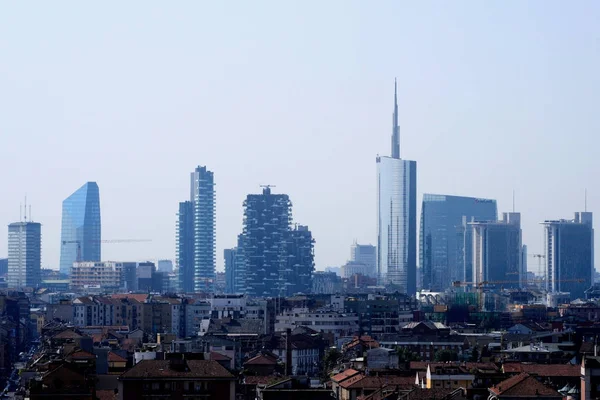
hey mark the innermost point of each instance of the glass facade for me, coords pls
(185, 246)
(203, 198)
(570, 255)
(442, 249)
(397, 223)
(81, 227)
(24, 254)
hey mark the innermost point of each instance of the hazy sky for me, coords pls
(493, 96)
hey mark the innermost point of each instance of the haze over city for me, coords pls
(298, 95)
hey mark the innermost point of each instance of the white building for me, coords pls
(365, 254)
(107, 275)
(326, 321)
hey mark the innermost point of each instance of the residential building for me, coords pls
(203, 197)
(440, 248)
(24, 254)
(104, 276)
(569, 254)
(365, 254)
(177, 379)
(397, 216)
(448, 377)
(278, 260)
(523, 386)
(81, 227)
(325, 321)
(497, 252)
(185, 246)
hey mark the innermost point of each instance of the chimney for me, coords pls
(288, 352)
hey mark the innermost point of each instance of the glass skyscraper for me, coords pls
(81, 227)
(24, 254)
(397, 216)
(569, 254)
(441, 248)
(196, 234)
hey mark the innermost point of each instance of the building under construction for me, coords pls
(278, 260)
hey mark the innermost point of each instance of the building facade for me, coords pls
(203, 198)
(440, 247)
(365, 254)
(24, 254)
(105, 276)
(497, 250)
(81, 227)
(397, 217)
(185, 246)
(569, 252)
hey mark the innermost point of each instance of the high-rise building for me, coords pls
(440, 250)
(3, 266)
(365, 254)
(569, 251)
(81, 227)
(165, 266)
(497, 252)
(185, 246)
(397, 216)
(277, 260)
(24, 254)
(230, 256)
(203, 199)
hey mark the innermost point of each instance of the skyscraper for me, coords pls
(203, 198)
(365, 254)
(24, 254)
(278, 260)
(235, 271)
(440, 250)
(569, 251)
(196, 234)
(497, 251)
(397, 216)
(185, 246)
(81, 227)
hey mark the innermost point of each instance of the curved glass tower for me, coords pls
(81, 230)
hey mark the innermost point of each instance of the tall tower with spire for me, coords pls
(397, 216)
(395, 126)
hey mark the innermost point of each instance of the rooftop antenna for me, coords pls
(25, 209)
(513, 200)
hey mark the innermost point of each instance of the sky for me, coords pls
(493, 96)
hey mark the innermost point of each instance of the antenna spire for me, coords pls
(395, 126)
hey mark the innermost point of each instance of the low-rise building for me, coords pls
(326, 321)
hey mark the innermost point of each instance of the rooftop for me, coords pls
(189, 369)
(523, 385)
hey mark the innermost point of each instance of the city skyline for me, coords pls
(487, 110)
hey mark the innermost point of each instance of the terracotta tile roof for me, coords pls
(344, 375)
(523, 385)
(219, 357)
(261, 360)
(80, 355)
(546, 370)
(376, 382)
(106, 395)
(191, 369)
(263, 380)
(137, 297)
(67, 334)
(422, 365)
(113, 357)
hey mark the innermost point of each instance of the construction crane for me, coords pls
(78, 259)
(541, 272)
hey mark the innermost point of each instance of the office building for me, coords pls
(185, 247)
(278, 260)
(397, 217)
(3, 266)
(203, 198)
(440, 247)
(24, 254)
(569, 252)
(353, 268)
(81, 227)
(235, 268)
(365, 254)
(165, 266)
(196, 234)
(497, 252)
